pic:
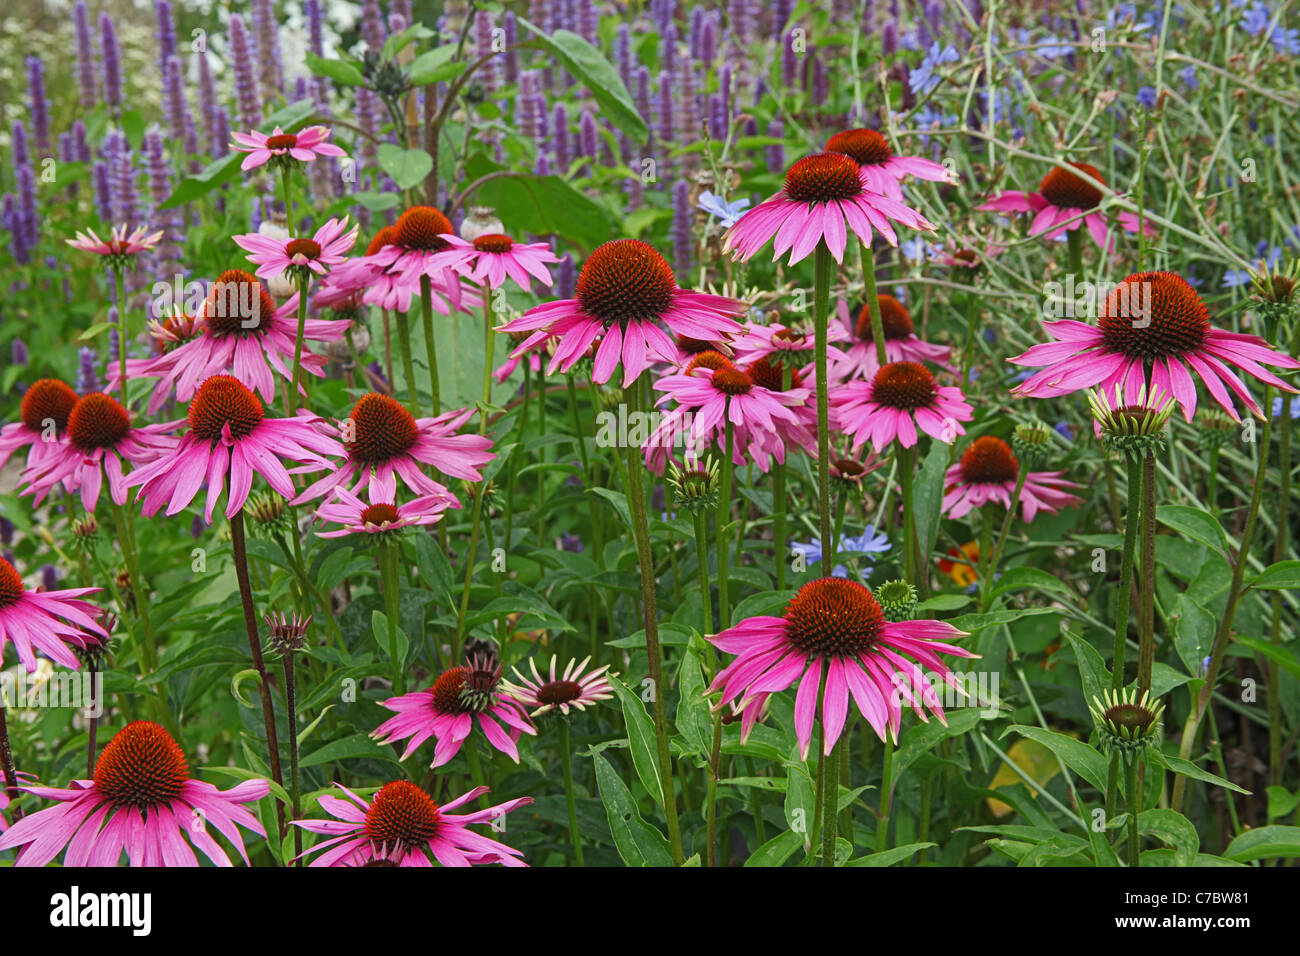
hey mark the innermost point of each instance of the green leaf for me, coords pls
(641, 738)
(243, 773)
(1193, 629)
(974, 623)
(541, 205)
(1281, 802)
(1189, 769)
(357, 745)
(1285, 575)
(1200, 526)
(587, 64)
(398, 42)
(1018, 579)
(340, 71)
(1079, 757)
(944, 602)
(406, 167)
(799, 797)
(434, 568)
(435, 66)
(1092, 669)
(619, 502)
(776, 850)
(891, 856)
(694, 720)
(1282, 655)
(924, 736)
(1265, 843)
(1174, 830)
(379, 628)
(637, 842)
(333, 568)
(928, 497)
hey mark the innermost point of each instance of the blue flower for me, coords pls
(1052, 52)
(918, 250)
(1147, 97)
(869, 542)
(1294, 408)
(1064, 430)
(925, 78)
(727, 212)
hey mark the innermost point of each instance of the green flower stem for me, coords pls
(779, 506)
(968, 349)
(822, 271)
(987, 582)
(1212, 481)
(873, 300)
(1134, 805)
(119, 286)
(566, 761)
(724, 523)
(1074, 246)
(1275, 601)
(286, 183)
(489, 346)
(1147, 583)
(886, 796)
(1124, 597)
(1197, 714)
(478, 493)
(7, 763)
(147, 648)
(715, 750)
(1112, 785)
(408, 364)
(291, 396)
(476, 770)
(291, 702)
(641, 536)
(388, 568)
(830, 794)
(431, 350)
(255, 649)
(906, 468)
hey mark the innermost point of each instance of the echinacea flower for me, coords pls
(99, 438)
(174, 330)
(448, 710)
(884, 169)
(965, 257)
(561, 691)
(902, 344)
(408, 253)
(119, 248)
(822, 195)
(356, 517)
(385, 442)
(624, 291)
(305, 147)
(402, 826)
(835, 627)
(326, 248)
(42, 421)
(229, 433)
(1065, 202)
(786, 343)
(710, 393)
(244, 334)
(143, 801)
(988, 472)
(901, 398)
(1126, 723)
(492, 258)
(56, 623)
(1152, 332)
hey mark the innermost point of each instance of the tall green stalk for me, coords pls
(430, 347)
(821, 312)
(570, 803)
(873, 302)
(388, 565)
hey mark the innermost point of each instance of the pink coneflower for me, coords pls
(884, 170)
(100, 437)
(988, 471)
(52, 622)
(324, 250)
(42, 420)
(385, 442)
(561, 691)
(230, 433)
(305, 146)
(1063, 196)
(786, 344)
(448, 710)
(118, 248)
(174, 331)
(625, 289)
(688, 348)
(389, 272)
(141, 800)
(1152, 330)
(965, 257)
(711, 392)
(769, 372)
(356, 517)
(836, 626)
(902, 344)
(492, 258)
(902, 397)
(243, 334)
(402, 826)
(822, 195)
